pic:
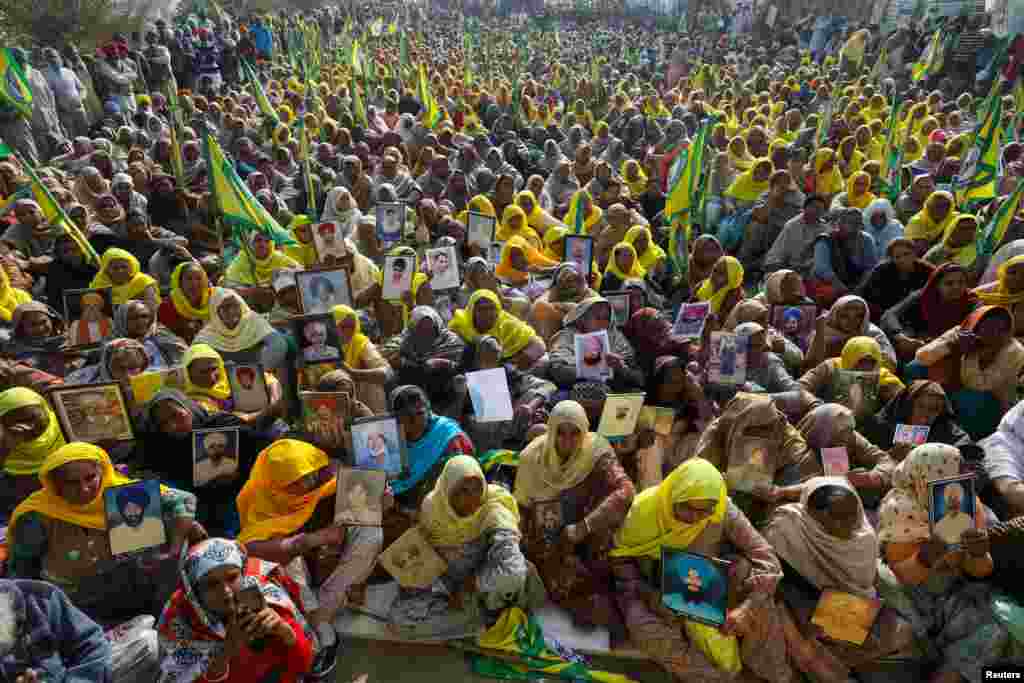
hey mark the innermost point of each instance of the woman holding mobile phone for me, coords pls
(213, 631)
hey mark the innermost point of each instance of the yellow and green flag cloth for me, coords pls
(56, 216)
(432, 113)
(266, 108)
(931, 59)
(980, 167)
(683, 178)
(992, 233)
(240, 210)
(14, 91)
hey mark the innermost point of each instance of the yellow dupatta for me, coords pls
(636, 272)
(48, 500)
(506, 232)
(827, 182)
(303, 252)
(357, 345)
(10, 297)
(246, 269)
(859, 201)
(512, 333)
(999, 295)
(538, 218)
(638, 185)
(266, 508)
(857, 348)
(653, 254)
(27, 457)
(181, 303)
(534, 257)
(967, 254)
(444, 527)
(137, 281)
(706, 291)
(745, 188)
(221, 389)
(479, 204)
(922, 227)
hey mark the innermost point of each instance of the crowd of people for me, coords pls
(808, 192)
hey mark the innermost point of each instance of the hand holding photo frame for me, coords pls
(317, 338)
(413, 561)
(90, 316)
(214, 455)
(620, 415)
(398, 274)
(592, 350)
(378, 444)
(443, 263)
(134, 517)
(325, 416)
(579, 249)
(951, 509)
(329, 242)
(480, 230)
(695, 586)
(489, 393)
(322, 290)
(360, 497)
(690, 320)
(390, 222)
(620, 307)
(94, 413)
(249, 389)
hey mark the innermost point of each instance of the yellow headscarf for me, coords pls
(653, 254)
(221, 389)
(638, 186)
(577, 223)
(479, 204)
(303, 252)
(745, 188)
(555, 234)
(999, 295)
(542, 474)
(858, 201)
(267, 510)
(651, 522)
(28, 457)
(537, 218)
(513, 334)
(249, 270)
(857, 348)
(967, 254)
(922, 227)
(49, 502)
(856, 160)
(443, 527)
(181, 303)
(355, 348)
(741, 161)
(10, 297)
(534, 257)
(137, 281)
(637, 272)
(506, 232)
(706, 291)
(830, 182)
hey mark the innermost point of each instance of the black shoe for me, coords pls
(326, 660)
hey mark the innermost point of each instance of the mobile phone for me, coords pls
(250, 600)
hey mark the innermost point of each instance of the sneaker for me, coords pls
(326, 660)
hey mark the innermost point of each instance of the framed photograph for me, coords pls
(796, 323)
(93, 413)
(90, 316)
(413, 561)
(549, 518)
(494, 252)
(283, 279)
(249, 389)
(390, 222)
(329, 242)
(620, 415)
(751, 466)
(134, 519)
(913, 435)
(325, 416)
(214, 455)
(443, 263)
(145, 385)
(690, 320)
(579, 249)
(695, 586)
(322, 290)
(835, 461)
(360, 500)
(591, 355)
(620, 307)
(488, 390)
(317, 338)
(480, 230)
(728, 361)
(445, 305)
(398, 273)
(951, 509)
(845, 616)
(377, 444)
